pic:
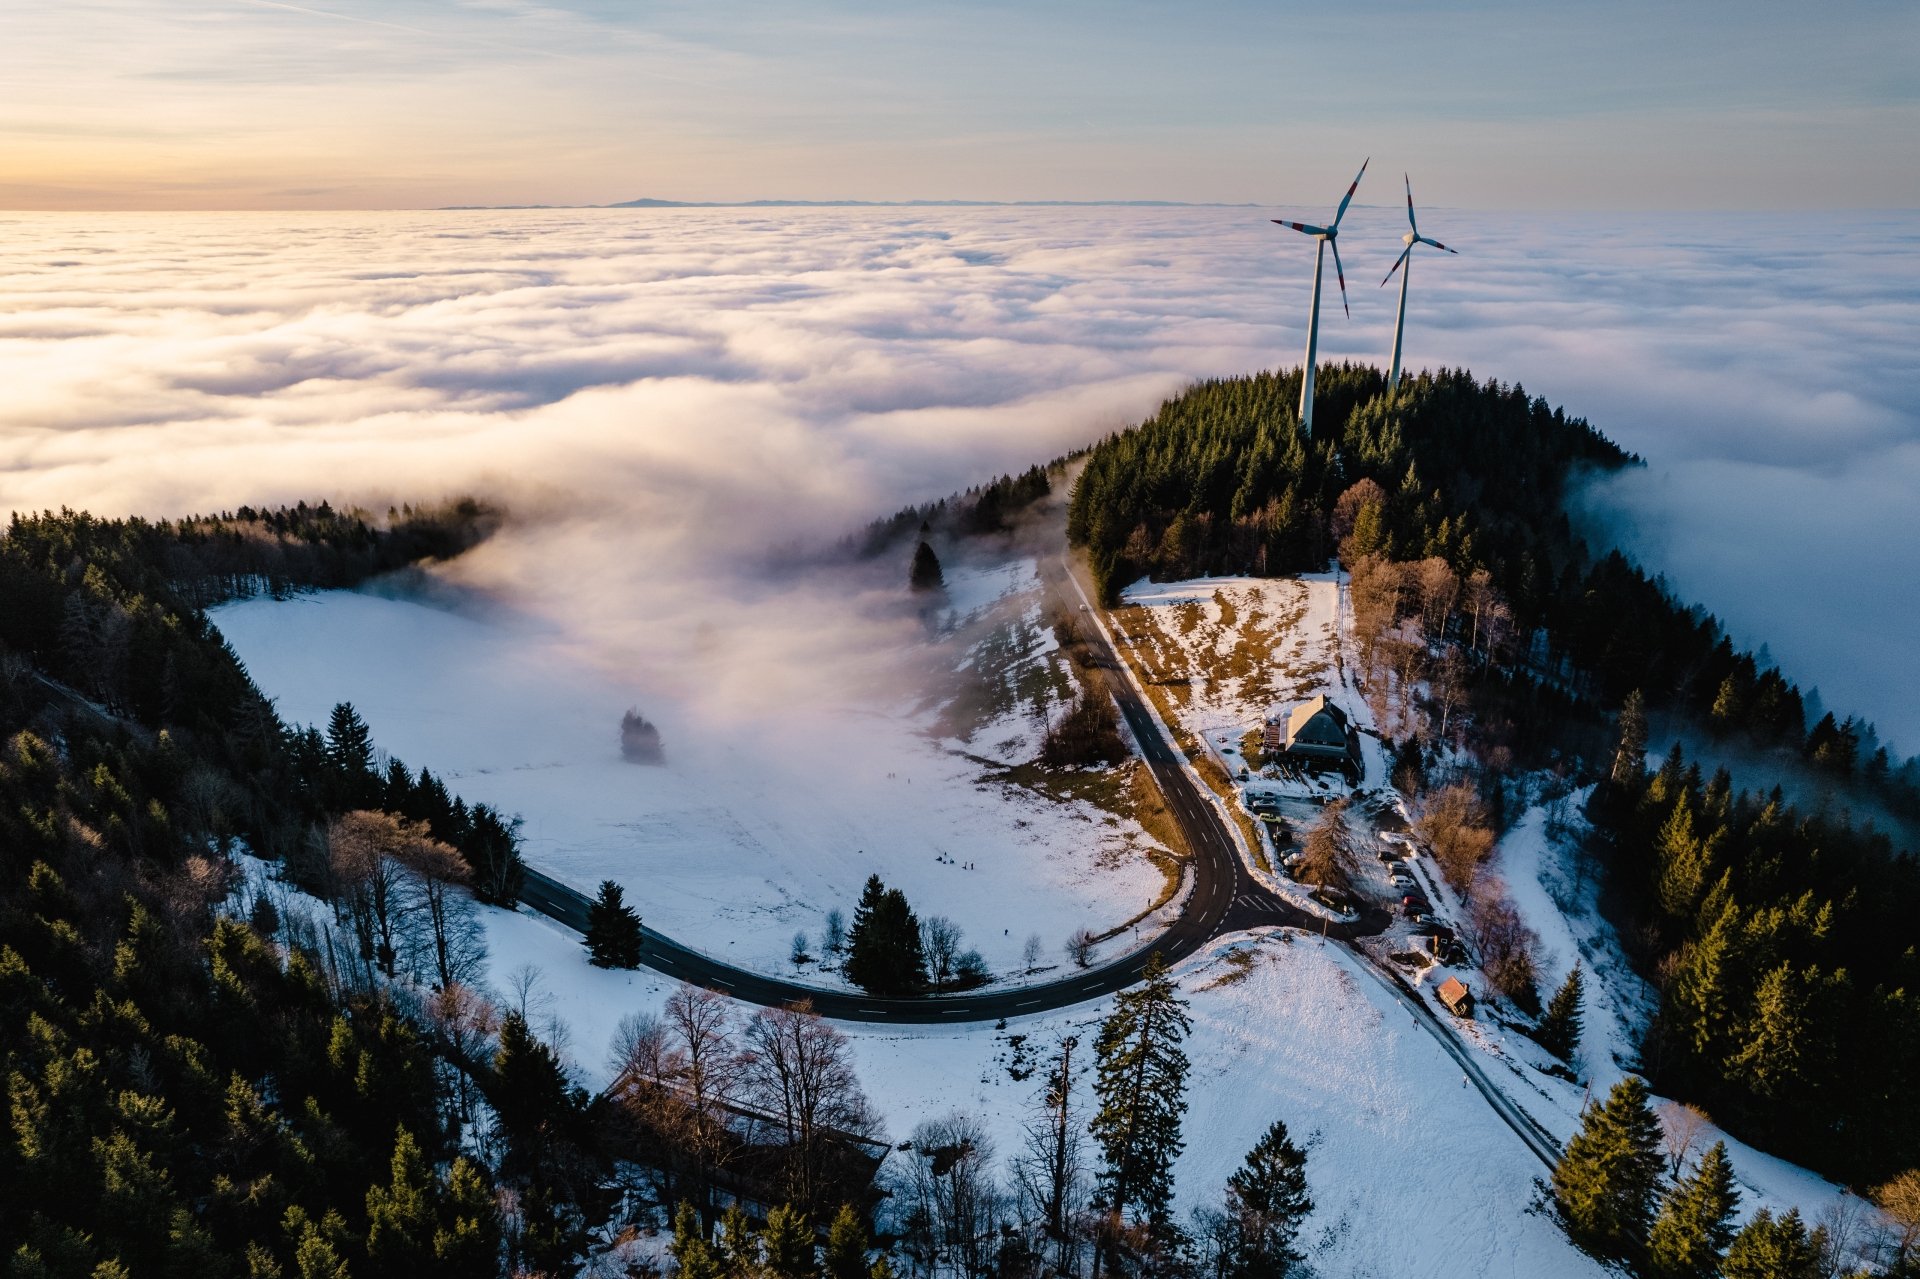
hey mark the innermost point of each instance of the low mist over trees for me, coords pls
(639, 740)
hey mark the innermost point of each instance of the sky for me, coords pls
(667, 396)
(378, 104)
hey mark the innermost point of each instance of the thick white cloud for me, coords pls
(702, 385)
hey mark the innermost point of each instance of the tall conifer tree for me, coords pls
(1140, 1082)
(1267, 1202)
(1695, 1224)
(1559, 1028)
(1605, 1181)
(613, 930)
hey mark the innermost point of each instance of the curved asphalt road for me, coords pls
(1222, 900)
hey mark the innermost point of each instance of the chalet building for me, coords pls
(1454, 994)
(1315, 732)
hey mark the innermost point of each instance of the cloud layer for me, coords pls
(705, 384)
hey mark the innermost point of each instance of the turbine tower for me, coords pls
(1327, 237)
(1411, 238)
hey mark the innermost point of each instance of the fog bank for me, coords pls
(664, 395)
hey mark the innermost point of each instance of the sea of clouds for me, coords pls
(667, 394)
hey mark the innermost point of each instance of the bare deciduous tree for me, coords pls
(1031, 952)
(452, 946)
(1447, 685)
(370, 882)
(1846, 1224)
(1505, 943)
(1899, 1199)
(463, 1024)
(955, 1203)
(800, 1070)
(940, 943)
(1050, 1174)
(1453, 824)
(1079, 947)
(700, 1074)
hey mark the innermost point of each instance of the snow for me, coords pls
(1411, 1175)
(752, 830)
(745, 836)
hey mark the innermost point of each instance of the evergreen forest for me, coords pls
(1778, 934)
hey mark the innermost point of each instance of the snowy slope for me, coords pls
(752, 831)
(1411, 1175)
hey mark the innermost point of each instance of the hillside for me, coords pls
(1490, 635)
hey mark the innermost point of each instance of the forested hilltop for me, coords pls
(1781, 937)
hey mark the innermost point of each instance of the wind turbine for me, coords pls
(1326, 235)
(1411, 238)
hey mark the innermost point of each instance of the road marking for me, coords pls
(1030, 1003)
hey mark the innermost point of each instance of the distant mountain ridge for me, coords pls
(648, 202)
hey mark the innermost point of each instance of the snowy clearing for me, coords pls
(752, 830)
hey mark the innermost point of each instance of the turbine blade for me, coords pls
(1410, 221)
(1299, 226)
(1341, 276)
(1396, 264)
(1435, 243)
(1347, 199)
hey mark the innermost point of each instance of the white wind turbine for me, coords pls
(1411, 238)
(1326, 235)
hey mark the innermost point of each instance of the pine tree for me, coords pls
(1559, 1028)
(846, 1252)
(529, 1090)
(926, 575)
(1140, 1082)
(1267, 1202)
(739, 1248)
(1369, 536)
(613, 930)
(788, 1245)
(1684, 860)
(693, 1256)
(884, 952)
(1695, 1224)
(317, 1247)
(400, 1215)
(1775, 1248)
(350, 758)
(491, 845)
(1774, 1041)
(1605, 1180)
(1630, 758)
(468, 1243)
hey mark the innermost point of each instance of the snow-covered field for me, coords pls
(1411, 1174)
(745, 837)
(755, 827)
